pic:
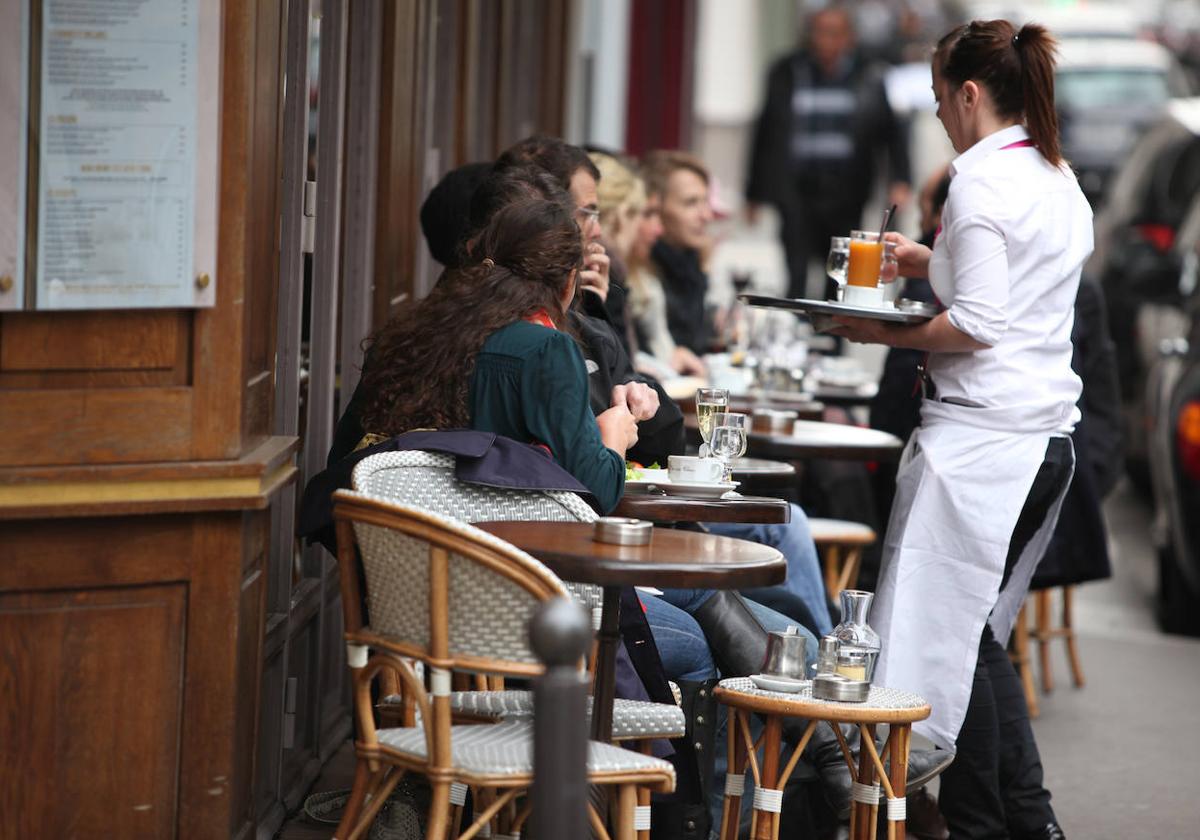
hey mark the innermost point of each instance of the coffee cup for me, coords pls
(689, 469)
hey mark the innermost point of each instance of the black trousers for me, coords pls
(994, 789)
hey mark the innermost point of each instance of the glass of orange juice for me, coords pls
(866, 258)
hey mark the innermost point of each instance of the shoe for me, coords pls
(1051, 831)
(825, 755)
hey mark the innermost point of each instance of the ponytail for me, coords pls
(1017, 68)
(1035, 49)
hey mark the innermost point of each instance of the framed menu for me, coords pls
(127, 134)
(14, 105)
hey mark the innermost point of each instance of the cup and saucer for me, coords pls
(686, 475)
(784, 666)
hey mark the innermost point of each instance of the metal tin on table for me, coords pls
(774, 420)
(619, 530)
(918, 307)
(836, 687)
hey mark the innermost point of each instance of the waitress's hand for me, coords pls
(618, 429)
(862, 330)
(912, 257)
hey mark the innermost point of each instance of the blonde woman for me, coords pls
(630, 225)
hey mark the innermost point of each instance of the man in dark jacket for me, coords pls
(824, 123)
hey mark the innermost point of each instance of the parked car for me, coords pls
(1139, 257)
(1173, 418)
(1109, 90)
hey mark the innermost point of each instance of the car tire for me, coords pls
(1178, 605)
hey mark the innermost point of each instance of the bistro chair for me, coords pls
(426, 480)
(450, 596)
(841, 545)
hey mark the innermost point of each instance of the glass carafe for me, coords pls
(858, 644)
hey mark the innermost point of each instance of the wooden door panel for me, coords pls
(90, 692)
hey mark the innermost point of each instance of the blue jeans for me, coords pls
(804, 579)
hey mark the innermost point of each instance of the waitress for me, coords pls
(983, 477)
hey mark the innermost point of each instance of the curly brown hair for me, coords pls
(420, 363)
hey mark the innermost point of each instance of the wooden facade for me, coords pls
(170, 661)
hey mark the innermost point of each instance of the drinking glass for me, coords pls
(866, 258)
(838, 259)
(729, 439)
(708, 402)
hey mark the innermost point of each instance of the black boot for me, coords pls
(738, 642)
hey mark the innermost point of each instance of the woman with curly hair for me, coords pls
(490, 349)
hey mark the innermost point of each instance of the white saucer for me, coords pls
(785, 684)
(698, 490)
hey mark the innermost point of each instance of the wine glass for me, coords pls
(708, 402)
(838, 260)
(729, 439)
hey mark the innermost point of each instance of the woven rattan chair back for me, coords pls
(426, 480)
(438, 589)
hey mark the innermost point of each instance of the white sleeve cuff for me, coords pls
(987, 331)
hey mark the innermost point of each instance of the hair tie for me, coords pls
(488, 262)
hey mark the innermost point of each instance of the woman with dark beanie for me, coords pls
(982, 480)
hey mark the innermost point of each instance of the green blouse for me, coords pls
(530, 384)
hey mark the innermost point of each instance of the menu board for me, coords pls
(126, 183)
(14, 89)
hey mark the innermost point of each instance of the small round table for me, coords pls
(815, 439)
(672, 559)
(763, 472)
(898, 709)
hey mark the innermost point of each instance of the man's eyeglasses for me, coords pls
(587, 214)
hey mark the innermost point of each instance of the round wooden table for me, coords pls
(898, 709)
(845, 395)
(659, 507)
(813, 439)
(672, 559)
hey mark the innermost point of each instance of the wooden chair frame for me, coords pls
(380, 768)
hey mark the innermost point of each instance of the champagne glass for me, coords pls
(729, 439)
(708, 402)
(838, 259)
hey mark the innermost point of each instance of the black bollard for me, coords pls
(559, 635)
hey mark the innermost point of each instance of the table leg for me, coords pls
(731, 815)
(766, 825)
(865, 815)
(898, 774)
(606, 665)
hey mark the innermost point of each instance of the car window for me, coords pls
(1106, 87)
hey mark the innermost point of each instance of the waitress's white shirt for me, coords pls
(1015, 234)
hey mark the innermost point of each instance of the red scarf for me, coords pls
(542, 319)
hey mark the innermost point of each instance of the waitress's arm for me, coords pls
(937, 335)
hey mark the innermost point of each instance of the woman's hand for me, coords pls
(687, 363)
(638, 397)
(594, 276)
(913, 257)
(618, 429)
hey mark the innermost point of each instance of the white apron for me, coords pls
(962, 483)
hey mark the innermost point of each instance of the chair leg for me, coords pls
(1019, 654)
(1044, 635)
(1069, 627)
(358, 793)
(439, 811)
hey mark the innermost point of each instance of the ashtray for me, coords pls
(837, 687)
(919, 307)
(620, 530)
